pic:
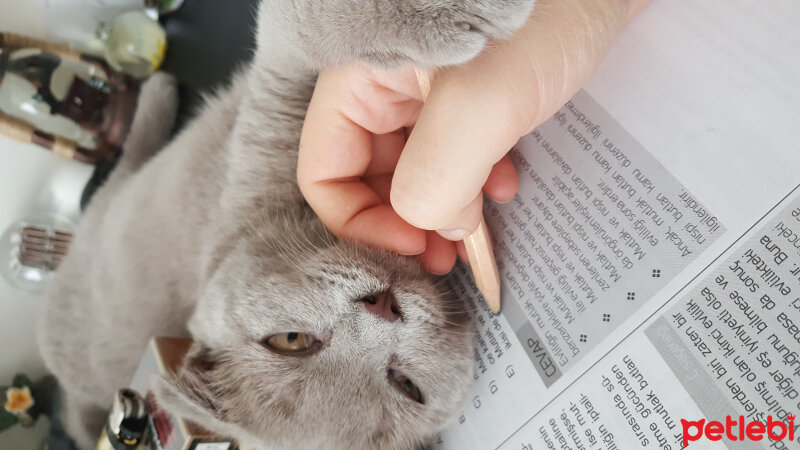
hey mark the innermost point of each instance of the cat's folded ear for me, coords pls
(190, 393)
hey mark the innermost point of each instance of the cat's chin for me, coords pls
(177, 399)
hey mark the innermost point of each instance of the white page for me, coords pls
(701, 97)
(724, 349)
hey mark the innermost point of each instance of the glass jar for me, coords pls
(32, 249)
(134, 43)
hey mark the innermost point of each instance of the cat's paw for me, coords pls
(159, 96)
(455, 33)
(427, 33)
(154, 119)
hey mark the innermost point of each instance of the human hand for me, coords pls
(371, 179)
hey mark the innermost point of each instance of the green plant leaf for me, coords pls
(7, 420)
(20, 381)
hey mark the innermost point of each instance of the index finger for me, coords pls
(336, 151)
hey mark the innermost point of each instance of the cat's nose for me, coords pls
(383, 305)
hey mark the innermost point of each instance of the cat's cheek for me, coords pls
(188, 395)
(174, 397)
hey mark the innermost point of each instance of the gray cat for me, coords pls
(301, 340)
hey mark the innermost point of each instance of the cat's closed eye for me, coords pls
(292, 343)
(405, 385)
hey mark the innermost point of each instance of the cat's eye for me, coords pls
(405, 385)
(292, 343)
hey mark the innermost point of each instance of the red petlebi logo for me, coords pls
(738, 430)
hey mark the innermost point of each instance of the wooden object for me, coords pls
(479, 243)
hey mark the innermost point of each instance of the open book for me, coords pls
(651, 261)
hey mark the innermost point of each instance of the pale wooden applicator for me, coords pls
(478, 244)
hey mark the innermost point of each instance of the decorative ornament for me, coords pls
(133, 43)
(31, 250)
(18, 400)
(70, 103)
(20, 406)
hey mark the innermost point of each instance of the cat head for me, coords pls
(323, 344)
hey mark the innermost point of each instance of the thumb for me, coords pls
(476, 112)
(462, 132)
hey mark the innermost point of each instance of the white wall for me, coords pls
(18, 310)
(24, 17)
(32, 181)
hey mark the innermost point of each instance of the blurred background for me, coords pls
(206, 41)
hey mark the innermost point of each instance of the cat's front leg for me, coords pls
(389, 33)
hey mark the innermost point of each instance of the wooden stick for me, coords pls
(479, 243)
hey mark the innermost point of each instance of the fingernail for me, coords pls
(439, 273)
(454, 235)
(414, 253)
